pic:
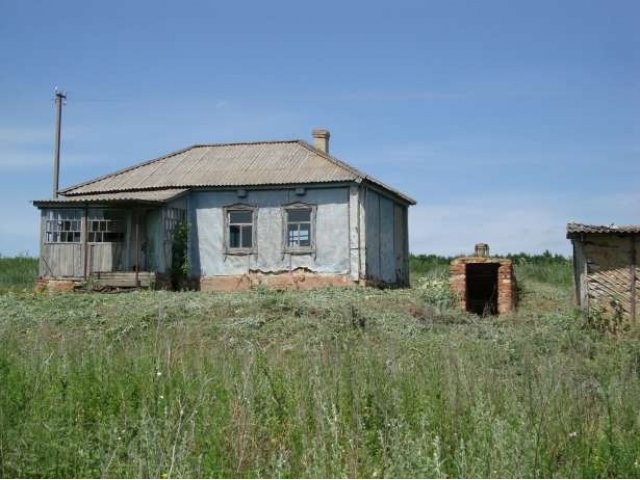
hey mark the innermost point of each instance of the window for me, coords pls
(172, 217)
(63, 226)
(105, 226)
(299, 235)
(240, 229)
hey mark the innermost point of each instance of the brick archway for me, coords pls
(484, 285)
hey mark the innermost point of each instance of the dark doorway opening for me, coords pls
(482, 288)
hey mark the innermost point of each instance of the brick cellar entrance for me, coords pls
(482, 288)
(483, 285)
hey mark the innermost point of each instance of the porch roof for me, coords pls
(153, 197)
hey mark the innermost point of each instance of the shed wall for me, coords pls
(606, 273)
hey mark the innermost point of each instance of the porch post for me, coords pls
(632, 306)
(84, 229)
(137, 246)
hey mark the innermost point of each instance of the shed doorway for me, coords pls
(482, 288)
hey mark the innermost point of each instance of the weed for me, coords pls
(324, 383)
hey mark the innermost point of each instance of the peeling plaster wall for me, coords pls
(207, 232)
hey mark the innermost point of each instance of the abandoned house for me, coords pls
(605, 268)
(482, 284)
(278, 213)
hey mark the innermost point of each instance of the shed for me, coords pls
(280, 213)
(605, 267)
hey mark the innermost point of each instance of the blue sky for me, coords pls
(504, 119)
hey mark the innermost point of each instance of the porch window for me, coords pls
(105, 226)
(240, 229)
(172, 217)
(299, 228)
(63, 226)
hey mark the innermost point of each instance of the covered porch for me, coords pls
(120, 240)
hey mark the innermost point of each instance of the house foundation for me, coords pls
(295, 279)
(482, 284)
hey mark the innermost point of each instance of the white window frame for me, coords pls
(54, 226)
(105, 225)
(240, 207)
(297, 249)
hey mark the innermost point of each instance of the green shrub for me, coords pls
(179, 256)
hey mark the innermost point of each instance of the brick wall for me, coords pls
(506, 281)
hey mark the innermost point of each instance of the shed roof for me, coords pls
(232, 165)
(140, 196)
(576, 229)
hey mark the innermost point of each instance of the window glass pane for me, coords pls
(292, 235)
(234, 236)
(304, 235)
(241, 216)
(62, 226)
(113, 237)
(247, 238)
(299, 215)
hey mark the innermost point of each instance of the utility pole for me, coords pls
(59, 99)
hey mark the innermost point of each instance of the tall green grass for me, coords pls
(328, 383)
(17, 272)
(547, 267)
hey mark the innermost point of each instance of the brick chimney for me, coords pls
(321, 139)
(482, 250)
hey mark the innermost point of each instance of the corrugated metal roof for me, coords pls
(574, 229)
(232, 165)
(143, 196)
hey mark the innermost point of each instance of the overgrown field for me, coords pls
(17, 272)
(329, 383)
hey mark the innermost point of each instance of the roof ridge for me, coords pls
(255, 142)
(333, 159)
(355, 171)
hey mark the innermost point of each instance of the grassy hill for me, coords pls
(328, 383)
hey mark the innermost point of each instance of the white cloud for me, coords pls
(455, 229)
(514, 222)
